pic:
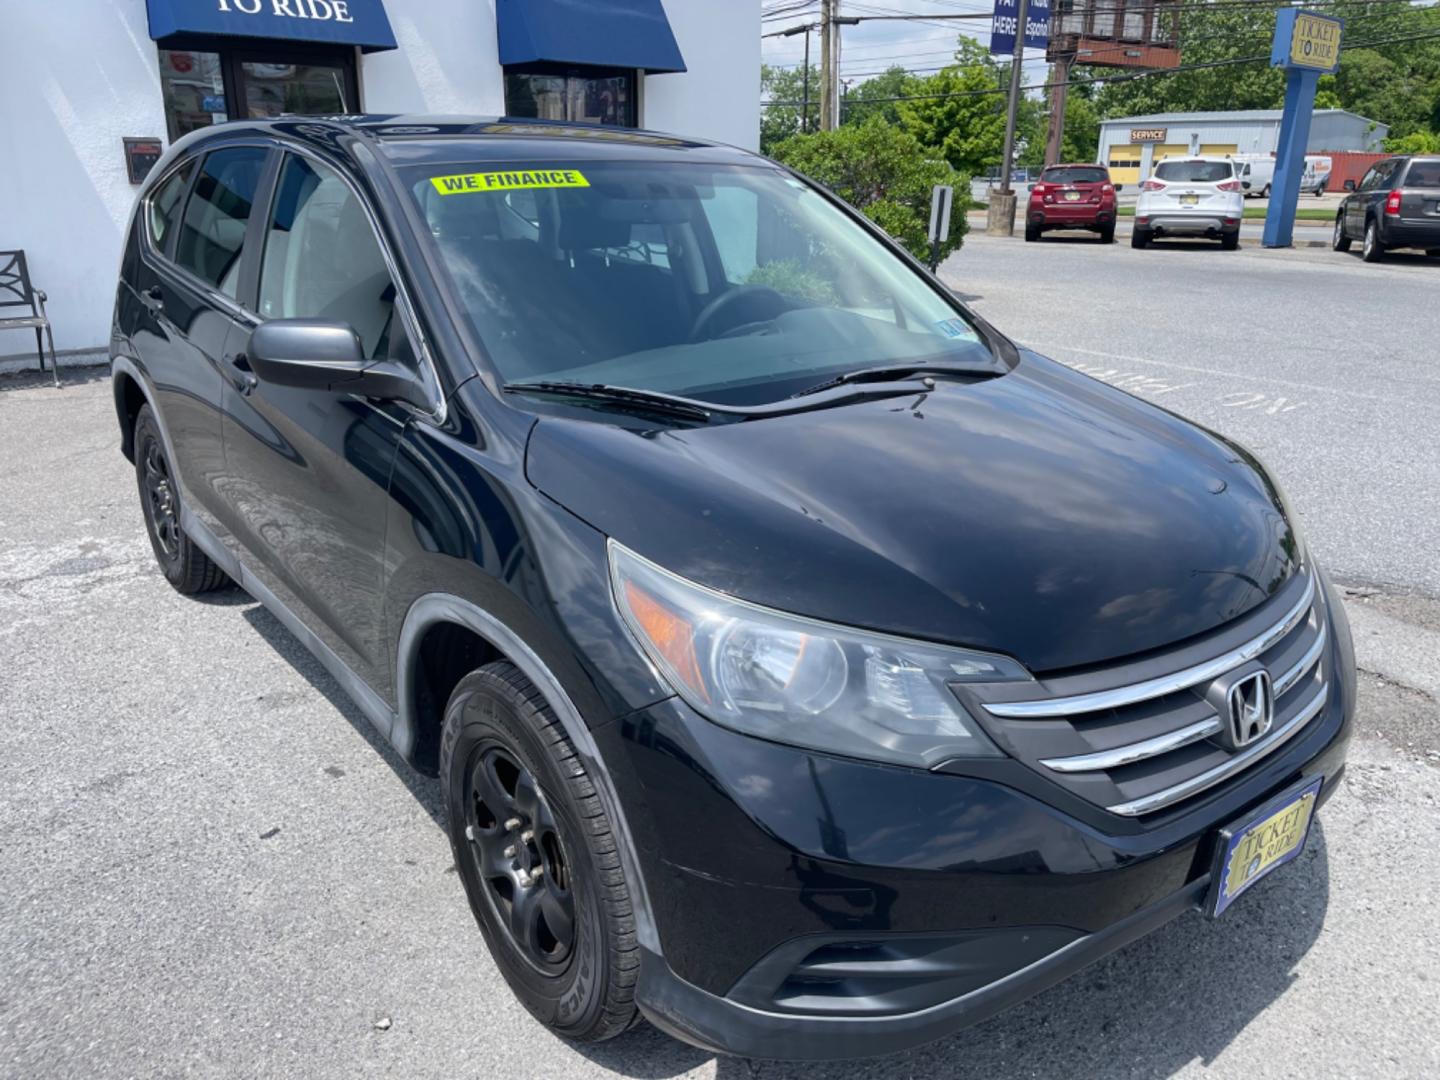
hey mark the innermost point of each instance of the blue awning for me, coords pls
(602, 33)
(334, 22)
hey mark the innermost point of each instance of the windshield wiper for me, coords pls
(894, 372)
(647, 400)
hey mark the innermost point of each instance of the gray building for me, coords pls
(1131, 145)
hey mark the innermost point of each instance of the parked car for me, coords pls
(1190, 196)
(1396, 204)
(1256, 175)
(1072, 197)
(804, 664)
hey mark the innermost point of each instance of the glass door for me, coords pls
(303, 84)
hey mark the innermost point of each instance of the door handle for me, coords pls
(240, 374)
(153, 299)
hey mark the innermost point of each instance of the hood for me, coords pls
(1041, 514)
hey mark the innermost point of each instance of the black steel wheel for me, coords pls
(515, 846)
(536, 852)
(184, 565)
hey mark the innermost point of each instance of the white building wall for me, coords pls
(718, 97)
(74, 79)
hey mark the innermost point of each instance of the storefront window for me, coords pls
(306, 89)
(592, 97)
(193, 86)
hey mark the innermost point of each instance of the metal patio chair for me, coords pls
(17, 292)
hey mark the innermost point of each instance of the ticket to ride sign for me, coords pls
(1306, 40)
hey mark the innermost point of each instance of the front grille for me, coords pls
(1140, 737)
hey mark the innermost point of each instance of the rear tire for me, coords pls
(187, 568)
(1265, 192)
(1341, 240)
(540, 867)
(1434, 253)
(1140, 238)
(1229, 241)
(1372, 250)
(1107, 235)
(1032, 233)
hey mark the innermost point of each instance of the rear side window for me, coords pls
(1423, 174)
(322, 259)
(165, 204)
(1074, 175)
(1193, 172)
(212, 231)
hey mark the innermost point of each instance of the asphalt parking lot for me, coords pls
(212, 867)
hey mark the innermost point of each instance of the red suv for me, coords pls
(1072, 197)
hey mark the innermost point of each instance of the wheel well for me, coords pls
(129, 399)
(447, 653)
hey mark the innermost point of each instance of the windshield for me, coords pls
(1075, 174)
(1193, 172)
(736, 285)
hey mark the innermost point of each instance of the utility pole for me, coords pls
(1000, 216)
(827, 67)
(1059, 89)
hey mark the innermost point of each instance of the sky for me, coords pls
(871, 47)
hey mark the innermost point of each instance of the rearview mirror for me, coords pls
(312, 354)
(1349, 185)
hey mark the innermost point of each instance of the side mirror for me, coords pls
(1119, 187)
(1349, 185)
(312, 354)
(1030, 186)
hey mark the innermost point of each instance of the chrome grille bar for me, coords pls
(1164, 684)
(1244, 759)
(1303, 666)
(1139, 751)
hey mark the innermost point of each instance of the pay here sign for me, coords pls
(1005, 18)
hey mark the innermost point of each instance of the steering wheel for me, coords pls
(746, 303)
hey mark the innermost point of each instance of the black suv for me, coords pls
(805, 666)
(1397, 204)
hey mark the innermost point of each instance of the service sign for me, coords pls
(1148, 134)
(1306, 40)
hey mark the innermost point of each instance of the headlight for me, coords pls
(798, 681)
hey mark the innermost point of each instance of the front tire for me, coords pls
(1372, 250)
(537, 854)
(187, 568)
(1341, 240)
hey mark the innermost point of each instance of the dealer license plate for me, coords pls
(1266, 842)
(1189, 200)
(1072, 196)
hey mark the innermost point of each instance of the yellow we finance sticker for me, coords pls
(511, 180)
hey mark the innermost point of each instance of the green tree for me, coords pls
(779, 122)
(1080, 140)
(885, 173)
(1417, 142)
(959, 111)
(870, 98)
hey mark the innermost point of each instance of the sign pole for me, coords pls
(1012, 105)
(1290, 158)
(1307, 45)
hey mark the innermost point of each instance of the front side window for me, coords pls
(212, 231)
(322, 259)
(735, 284)
(1193, 172)
(165, 204)
(1377, 176)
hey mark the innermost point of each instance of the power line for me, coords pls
(1125, 77)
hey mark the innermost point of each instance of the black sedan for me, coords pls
(1397, 204)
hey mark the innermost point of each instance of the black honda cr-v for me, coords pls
(805, 666)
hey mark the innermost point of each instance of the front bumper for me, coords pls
(776, 875)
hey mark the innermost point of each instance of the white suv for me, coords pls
(1190, 196)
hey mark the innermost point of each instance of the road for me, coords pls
(212, 867)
